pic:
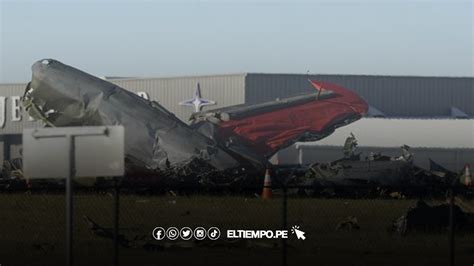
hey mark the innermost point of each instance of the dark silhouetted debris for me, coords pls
(349, 224)
(426, 218)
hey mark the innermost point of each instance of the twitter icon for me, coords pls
(186, 233)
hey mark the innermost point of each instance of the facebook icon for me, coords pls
(158, 233)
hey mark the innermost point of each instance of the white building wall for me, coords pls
(449, 142)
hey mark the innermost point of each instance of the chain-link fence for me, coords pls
(340, 228)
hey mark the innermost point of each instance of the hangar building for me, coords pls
(392, 97)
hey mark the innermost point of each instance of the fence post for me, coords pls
(116, 221)
(451, 226)
(285, 224)
(69, 201)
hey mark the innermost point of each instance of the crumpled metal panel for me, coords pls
(272, 126)
(61, 95)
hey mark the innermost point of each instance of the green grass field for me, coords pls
(32, 231)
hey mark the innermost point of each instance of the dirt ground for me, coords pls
(32, 231)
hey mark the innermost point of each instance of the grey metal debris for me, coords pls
(61, 95)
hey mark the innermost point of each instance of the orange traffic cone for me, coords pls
(467, 178)
(267, 186)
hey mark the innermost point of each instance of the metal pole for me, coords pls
(116, 221)
(285, 224)
(69, 203)
(300, 155)
(69, 179)
(7, 148)
(451, 227)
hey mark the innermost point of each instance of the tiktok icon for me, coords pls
(213, 233)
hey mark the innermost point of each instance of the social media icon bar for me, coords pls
(172, 233)
(200, 233)
(186, 233)
(213, 233)
(159, 233)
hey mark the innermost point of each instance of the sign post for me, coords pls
(69, 204)
(73, 152)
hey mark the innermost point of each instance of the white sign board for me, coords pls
(98, 151)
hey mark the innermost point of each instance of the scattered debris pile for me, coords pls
(351, 223)
(377, 173)
(435, 218)
(11, 175)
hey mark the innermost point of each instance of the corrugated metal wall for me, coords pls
(396, 96)
(13, 127)
(224, 89)
(267, 87)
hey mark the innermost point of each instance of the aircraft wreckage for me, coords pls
(231, 140)
(220, 147)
